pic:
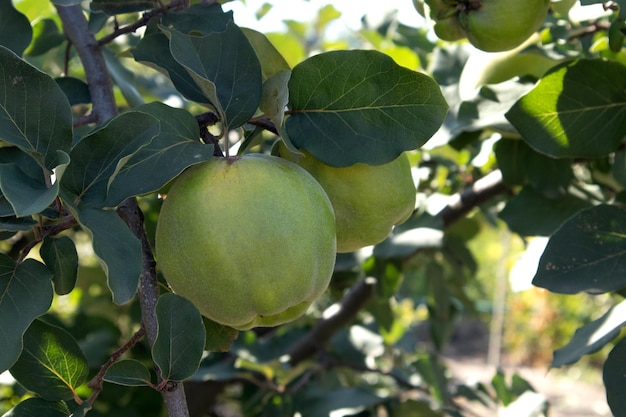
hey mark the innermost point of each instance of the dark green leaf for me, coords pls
(15, 224)
(81, 410)
(175, 148)
(414, 408)
(123, 78)
(567, 116)
(39, 407)
(113, 7)
(592, 336)
(225, 67)
(588, 253)
(117, 248)
(202, 18)
(503, 393)
(28, 97)
(350, 401)
(531, 213)
(25, 184)
(100, 155)
(360, 106)
(15, 30)
(434, 374)
(219, 338)
(25, 293)
(178, 347)
(128, 372)
(614, 376)
(46, 35)
(61, 257)
(51, 364)
(76, 91)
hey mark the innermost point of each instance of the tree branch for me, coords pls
(344, 313)
(104, 108)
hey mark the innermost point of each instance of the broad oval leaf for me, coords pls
(174, 148)
(614, 377)
(40, 408)
(592, 336)
(61, 257)
(15, 29)
(180, 340)
(219, 338)
(46, 35)
(587, 253)
(25, 184)
(226, 63)
(25, 293)
(357, 106)
(565, 115)
(128, 372)
(99, 156)
(117, 248)
(28, 96)
(51, 364)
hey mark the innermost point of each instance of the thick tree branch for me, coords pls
(104, 108)
(486, 188)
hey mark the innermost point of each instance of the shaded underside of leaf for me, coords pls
(614, 377)
(25, 293)
(15, 29)
(128, 372)
(357, 106)
(587, 253)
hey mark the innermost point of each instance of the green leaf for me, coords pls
(614, 377)
(117, 248)
(219, 338)
(76, 91)
(28, 97)
(531, 213)
(61, 257)
(15, 224)
(113, 7)
(202, 18)
(174, 148)
(46, 35)
(567, 116)
(588, 253)
(223, 61)
(25, 184)
(351, 401)
(592, 336)
(503, 393)
(100, 155)
(348, 107)
(39, 407)
(25, 293)
(123, 78)
(128, 372)
(272, 62)
(419, 232)
(180, 340)
(51, 364)
(15, 30)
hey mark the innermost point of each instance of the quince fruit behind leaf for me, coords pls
(368, 199)
(249, 240)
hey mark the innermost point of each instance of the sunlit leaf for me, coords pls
(51, 364)
(567, 116)
(178, 347)
(128, 372)
(25, 293)
(592, 336)
(28, 96)
(588, 253)
(117, 248)
(46, 35)
(15, 29)
(61, 257)
(360, 106)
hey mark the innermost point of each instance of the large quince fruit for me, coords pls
(249, 240)
(368, 199)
